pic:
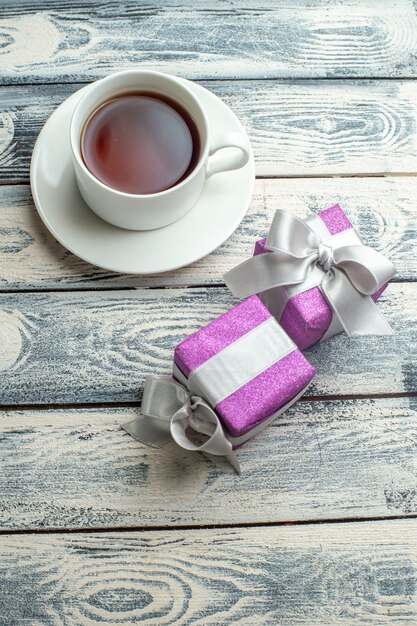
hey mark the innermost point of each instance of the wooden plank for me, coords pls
(339, 574)
(76, 468)
(51, 40)
(98, 347)
(296, 128)
(383, 209)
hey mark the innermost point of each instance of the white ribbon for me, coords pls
(350, 273)
(166, 400)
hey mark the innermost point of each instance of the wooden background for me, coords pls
(321, 527)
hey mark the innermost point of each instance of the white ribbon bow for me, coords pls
(351, 274)
(167, 401)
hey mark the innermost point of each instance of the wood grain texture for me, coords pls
(296, 128)
(383, 210)
(66, 41)
(98, 347)
(340, 574)
(76, 468)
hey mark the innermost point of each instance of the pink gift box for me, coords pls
(246, 366)
(307, 315)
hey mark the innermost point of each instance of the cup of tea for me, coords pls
(142, 149)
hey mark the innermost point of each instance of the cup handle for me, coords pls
(224, 162)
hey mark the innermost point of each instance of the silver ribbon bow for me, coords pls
(169, 409)
(350, 274)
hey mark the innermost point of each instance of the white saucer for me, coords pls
(210, 222)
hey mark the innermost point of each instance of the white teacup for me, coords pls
(140, 211)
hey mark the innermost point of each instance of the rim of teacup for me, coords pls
(75, 134)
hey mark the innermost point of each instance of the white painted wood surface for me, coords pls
(340, 574)
(76, 468)
(383, 209)
(51, 40)
(297, 128)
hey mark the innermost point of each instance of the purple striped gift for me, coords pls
(316, 277)
(230, 380)
(307, 316)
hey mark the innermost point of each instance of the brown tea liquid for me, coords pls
(140, 143)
